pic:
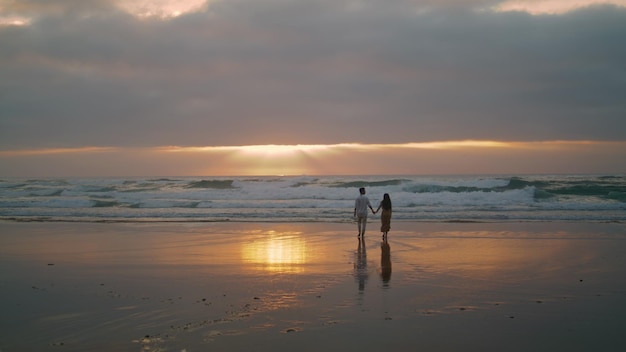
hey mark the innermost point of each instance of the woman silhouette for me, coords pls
(385, 217)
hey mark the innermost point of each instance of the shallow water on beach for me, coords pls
(268, 287)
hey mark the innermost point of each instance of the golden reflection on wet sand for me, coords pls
(285, 252)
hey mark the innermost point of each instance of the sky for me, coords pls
(291, 87)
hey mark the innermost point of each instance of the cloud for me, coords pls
(243, 72)
(161, 8)
(553, 7)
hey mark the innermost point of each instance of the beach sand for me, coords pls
(312, 287)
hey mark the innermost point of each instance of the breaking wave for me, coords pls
(321, 198)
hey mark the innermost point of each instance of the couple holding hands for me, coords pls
(360, 212)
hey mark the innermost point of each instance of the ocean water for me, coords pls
(314, 198)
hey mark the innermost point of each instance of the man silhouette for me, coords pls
(360, 211)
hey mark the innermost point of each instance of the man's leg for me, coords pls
(362, 224)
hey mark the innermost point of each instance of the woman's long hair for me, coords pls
(386, 203)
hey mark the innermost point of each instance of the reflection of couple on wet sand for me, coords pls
(360, 212)
(361, 204)
(360, 263)
(385, 262)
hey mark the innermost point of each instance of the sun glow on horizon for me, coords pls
(286, 149)
(277, 159)
(443, 157)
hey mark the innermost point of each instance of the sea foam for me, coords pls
(319, 198)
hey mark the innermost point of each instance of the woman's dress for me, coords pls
(385, 220)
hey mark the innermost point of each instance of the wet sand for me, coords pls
(312, 287)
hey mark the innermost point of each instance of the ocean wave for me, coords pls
(11, 185)
(165, 204)
(142, 188)
(49, 181)
(613, 177)
(520, 183)
(359, 184)
(212, 184)
(106, 203)
(600, 190)
(542, 195)
(164, 180)
(39, 203)
(464, 186)
(50, 193)
(429, 188)
(95, 189)
(303, 183)
(619, 196)
(323, 198)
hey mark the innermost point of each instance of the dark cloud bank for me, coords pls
(286, 72)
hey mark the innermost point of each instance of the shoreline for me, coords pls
(348, 221)
(238, 286)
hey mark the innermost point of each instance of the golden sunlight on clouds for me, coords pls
(160, 8)
(163, 9)
(264, 159)
(14, 21)
(427, 158)
(281, 150)
(552, 7)
(447, 157)
(457, 144)
(285, 150)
